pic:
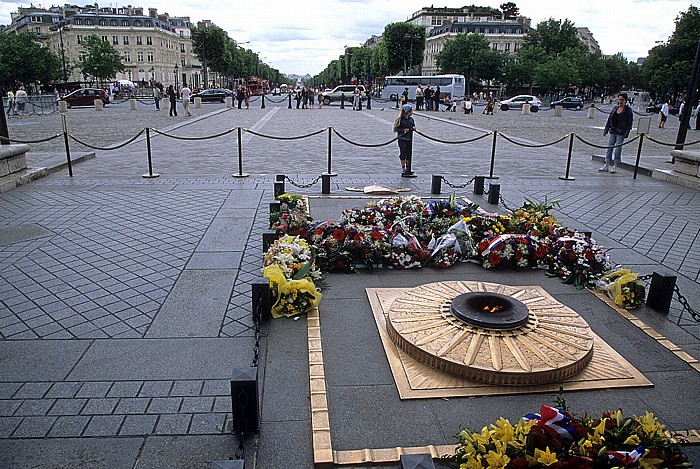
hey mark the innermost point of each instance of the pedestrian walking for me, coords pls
(304, 97)
(618, 125)
(419, 98)
(185, 93)
(356, 99)
(663, 114)
(428, 94)
(21, 99)
(157, 96)
(172, 96)
(311, 97)
(404, 96)
(10, 102)
(404, 125)
(320, 98)
(467, 105)
(246, 97)
(239, 96)
(436, 99)
(297, 97)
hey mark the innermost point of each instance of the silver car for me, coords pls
(517, 102)
(337, 93)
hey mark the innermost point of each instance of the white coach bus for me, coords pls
(451, 85)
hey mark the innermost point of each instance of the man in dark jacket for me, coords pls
(618, 126)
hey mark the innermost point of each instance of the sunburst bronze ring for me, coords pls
(546, 342)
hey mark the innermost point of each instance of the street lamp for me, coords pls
(176, 72)
(59, 26)
(412, 36)
(153, 73)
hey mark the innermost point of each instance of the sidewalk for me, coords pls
(126, 301)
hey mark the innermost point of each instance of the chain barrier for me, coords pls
(283, 100)
(529, 145)
(284, 138)
(225, 132)
(303, 186)
(108, 148)
(365, 145)
(671, 144)
(679, 296)
(458, 186)
(605, 147)
(12, 140)
(455, 142)
(503, 202)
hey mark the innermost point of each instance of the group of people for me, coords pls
(307, 97)
(427, 98)
(172, 94)
(17, 102)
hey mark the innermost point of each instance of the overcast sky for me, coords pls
(303, 37)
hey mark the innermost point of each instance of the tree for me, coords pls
(404, 44)
(471, 56)
(510, 10)
(23, 60)
(554, 36)
(100, 61)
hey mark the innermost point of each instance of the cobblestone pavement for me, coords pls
(125, 300)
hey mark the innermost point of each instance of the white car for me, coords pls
(346, 91)
(516, 102)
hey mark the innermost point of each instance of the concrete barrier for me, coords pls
(557, 111)
(198, 103)
(99, 105)
(132, 104)
(591, 113)
(229, 102)
(62, 106)
(526, 109)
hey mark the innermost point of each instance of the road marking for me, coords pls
(260, 124)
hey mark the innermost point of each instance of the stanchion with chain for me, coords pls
(436, 184)
(240, 174)
(342, 100)
(330, 171)
(493, 156)
(369, 100)
(65, 141)
(479, 185)
(639, 155)
(150, 174)
(263, 102)
(566, 177)
(289, 106)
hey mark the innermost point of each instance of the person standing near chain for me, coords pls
(419, 97)
(156, 96)
(663, 114)
(404, 125)
(618, 126)
(10, 102)
(172, 97)
(186, 92)
(21, 100)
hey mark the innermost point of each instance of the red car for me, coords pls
(85, 97)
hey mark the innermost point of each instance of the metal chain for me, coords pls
(257, 320)
(503, 202)
(303, 186)
(458, 186)
(242, 425)
(684, 302)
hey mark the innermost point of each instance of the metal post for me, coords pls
(325, 183)
(494, 193)
(568, 159)
(369, 100)
(478, 185)
(639, 156)
(268, 239)
(436, 185)
(278, 189)
(275, 207)
(493, 156)
(690, 99)
(240, 174)
(342, 100)
(244, 400)
(661, 292)
(150, 174)
(263, 101)
(65, 140)
(330, 171)
(289, 106)
(261, 302)
(4, 132)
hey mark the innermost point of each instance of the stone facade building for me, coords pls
(152, 46)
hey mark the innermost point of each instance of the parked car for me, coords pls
(276, 91)
(569, 102)
(336, 94)
(516, 102)
(212, 95)
(656, 108)
(85, 97)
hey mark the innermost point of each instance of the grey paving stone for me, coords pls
(100, 406)
(216, 387)
(197, 404)
(173, 424)
(136, 405)
(8, 425)
(40, 361)
(94, 389)
(207, 424)
(69, 426)
(186, 388)
(34, 407)
(67, 407)
(135, 425)
(32, 391)
(7, 390)
(104, 425)
(155, 388)
(125, 389)
(8, 407)
(222, 404)
(62, 389)
(190, 451)
(33, 427)
(164, 405)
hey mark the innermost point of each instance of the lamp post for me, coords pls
(153, 74)
(60, 26)
(176, 72)
(412, 36)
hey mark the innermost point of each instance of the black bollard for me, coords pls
(369, 101)
(279, 188)
(342, 101)
(566, 176)
(275, 207)
(436, 185)
(416, 461)
(478, 185)
(263, 101)
(290, 101)
(261, 301)
(359, 103)
(268, 239)
(239, 140)
(244, 400)
(325, 183)
(65, 141)
(150, 174)
(661, 292)
(494, 193)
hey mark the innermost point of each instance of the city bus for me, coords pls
(257, 86)
(450, 85)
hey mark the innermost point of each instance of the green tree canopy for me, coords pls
(100, 60)
(509, 9)
(554, 36)
(23, 60)
(471, 56)
(404, 44)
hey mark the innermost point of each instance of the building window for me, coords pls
(518, 31)
(150, 56)
(516, 46)
(125, 40)
(88, 22)
(148, 23)
(78, 21)
(127, 56)
(149, 41)
(507, 49)
(486, 30)
(115, 40)
(104, 38)
(103, 22)
(495, 30)
(80, 38)
(113, 23)
(38, 30)
(494, 46)
(36, 19)
(508, 31)
(125, 23)
(182, 48)
(137, 23)
(139, 56)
